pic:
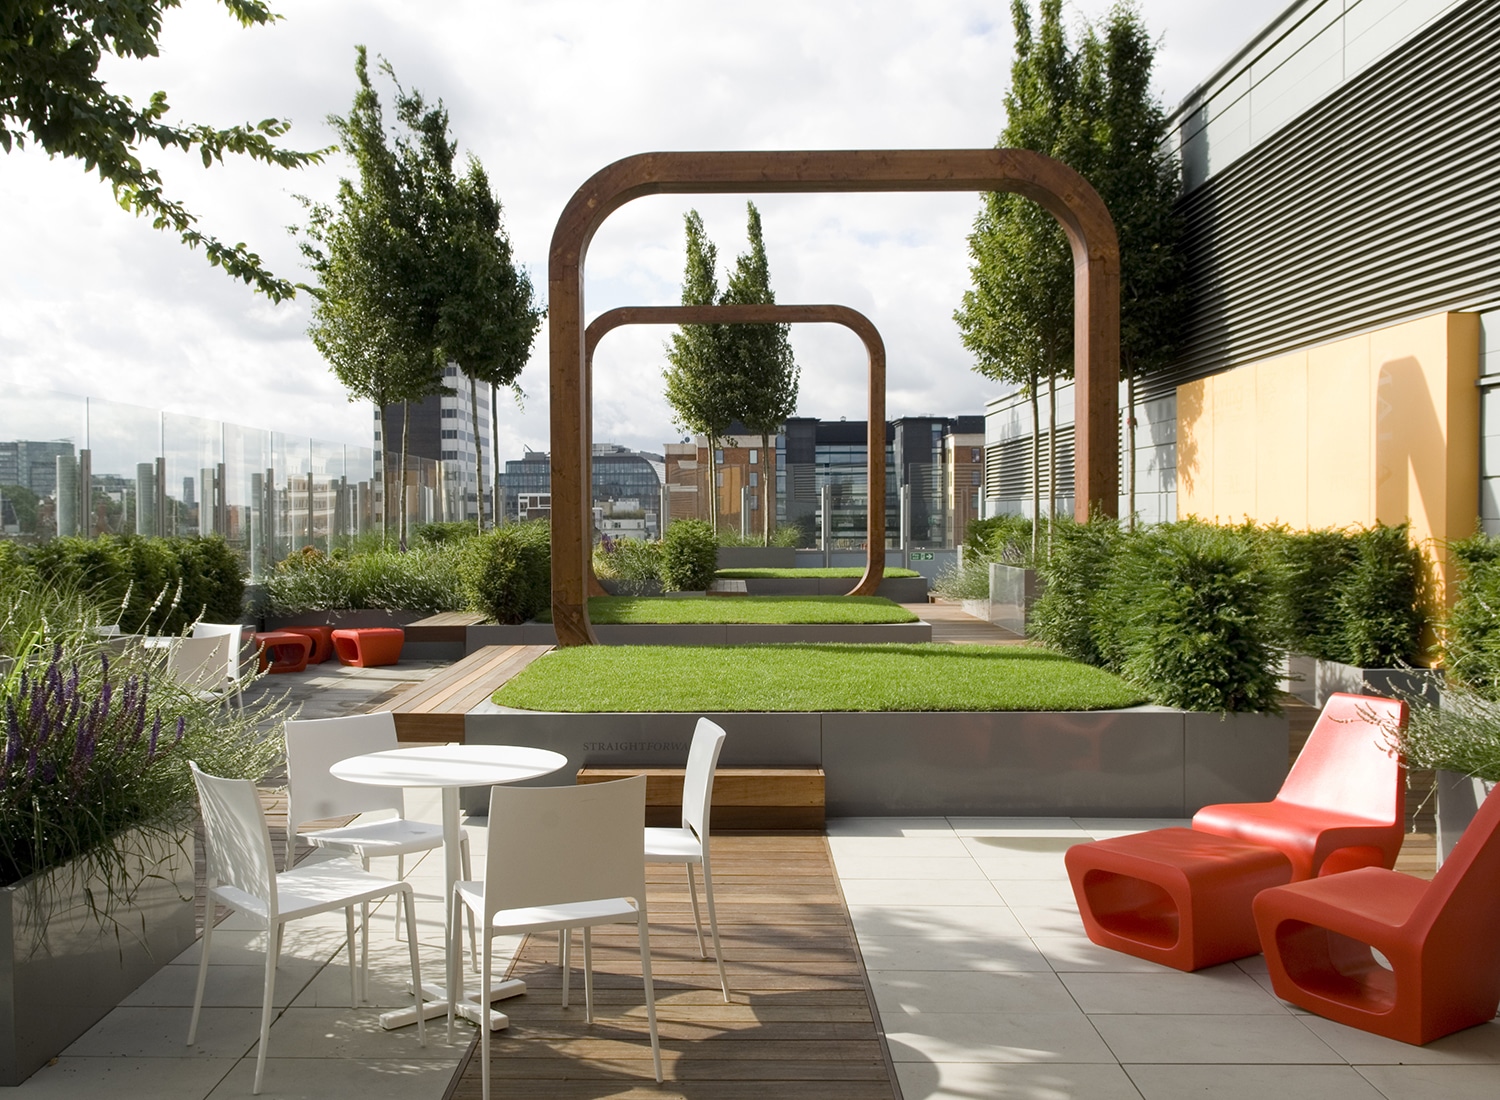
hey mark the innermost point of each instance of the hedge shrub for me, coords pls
(1380, 599)
(1473, 643)
(689, 556)
(1062, 616)
(507, 572)
(632, 565)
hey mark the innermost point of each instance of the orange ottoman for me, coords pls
(282, 650)
(1174, 896)
(322, 641)
(368, 646)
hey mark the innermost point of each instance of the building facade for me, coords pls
(440, 429)
(623, 481)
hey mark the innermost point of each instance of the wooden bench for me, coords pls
(434, 709)
(744, 798)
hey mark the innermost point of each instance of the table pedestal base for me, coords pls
(468, 1007)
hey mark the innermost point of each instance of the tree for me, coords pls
(1092, 109)
(483, 310)
(368, 320)
(23, 503)
(697, 389)
(52, 95)
(759, 357)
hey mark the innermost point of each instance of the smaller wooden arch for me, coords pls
(851, 319)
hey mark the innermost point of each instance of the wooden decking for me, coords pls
(801, 1023)
(434, 709)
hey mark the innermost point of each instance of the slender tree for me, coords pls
(1092, 109)
(697, 387)
(366, 257)
(759, 358)
(51, 94)
(481, 306)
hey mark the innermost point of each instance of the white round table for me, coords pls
(450, 767)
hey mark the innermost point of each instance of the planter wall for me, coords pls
(1145, 761)
(706, 633)
(1458, 800)
(62, 967)
(1330, 676)
(757, 557)
(897, 589)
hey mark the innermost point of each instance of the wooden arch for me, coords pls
(851, 319)
(1062, 191)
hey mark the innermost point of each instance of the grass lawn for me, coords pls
(613, 610)
(853, 573)
(582, 679)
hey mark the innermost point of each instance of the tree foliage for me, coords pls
(1091, 107)
(52, 95)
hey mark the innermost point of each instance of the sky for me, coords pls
(545, 92)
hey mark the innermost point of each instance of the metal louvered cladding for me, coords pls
(1007, 466)
(1376, 206)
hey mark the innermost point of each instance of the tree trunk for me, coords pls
(401, 493)
(1130, 443)
(766, 487)
(385, 472)
(713, 487)
(1051, 456)
(478, 459)
(1036, 472)
(494, 457)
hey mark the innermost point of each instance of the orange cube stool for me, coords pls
(368, 646)
(282, 650)
(322, 640)
(1174, 896)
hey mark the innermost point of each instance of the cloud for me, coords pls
(545, 92)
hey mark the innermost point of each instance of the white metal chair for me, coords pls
(312, 747)
(562, 857)
(235, 633)
(242, 875)
(689, 844)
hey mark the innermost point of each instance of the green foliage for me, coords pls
(439, 534)
(1380, 599)
(424, 579)
(787, 536)
(966, 580)
(52, 94)
(689, 556)
(1473, 643)
(1186, 615)
(836, 572)
(24, 502)
(633, 565)
(157, 586)
(699, 679)
(1081, 559)
(1312, 566)
(507, 572)
(98, 743)
(1461, 735)
(696, 389)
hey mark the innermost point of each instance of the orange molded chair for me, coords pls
(1438, 937)
(1343, 804)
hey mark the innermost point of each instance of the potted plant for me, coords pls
(1460, 741)
(96, 816)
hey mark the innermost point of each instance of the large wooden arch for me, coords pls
(851, 319)
(1062, 191)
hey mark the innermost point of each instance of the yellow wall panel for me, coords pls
(1281, 441)
(1380, 427)
(1339, 434)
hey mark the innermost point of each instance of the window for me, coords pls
(449, 434)
(719, 478)
(719, 458)
(449, 414)
(754, 458)
(754, 503)
(754, 476)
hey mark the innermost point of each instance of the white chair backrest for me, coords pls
(199, 663)
(235, 838)
(698, 783)
(236, 635)
(315, 745)
(554, 845)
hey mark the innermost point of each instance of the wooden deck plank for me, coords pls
(434, 709)
(801, 1022)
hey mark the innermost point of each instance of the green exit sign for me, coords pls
(920, 555)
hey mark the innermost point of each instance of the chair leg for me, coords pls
(273, 949)
(697, 920)
(463, 857)
(564, 943)
(400, 877)
(408, 900)
(208, 935)
(588, 976)
(484, 1017)
(453, 976)
(353, 969)
(640, 925)
(713, 921)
